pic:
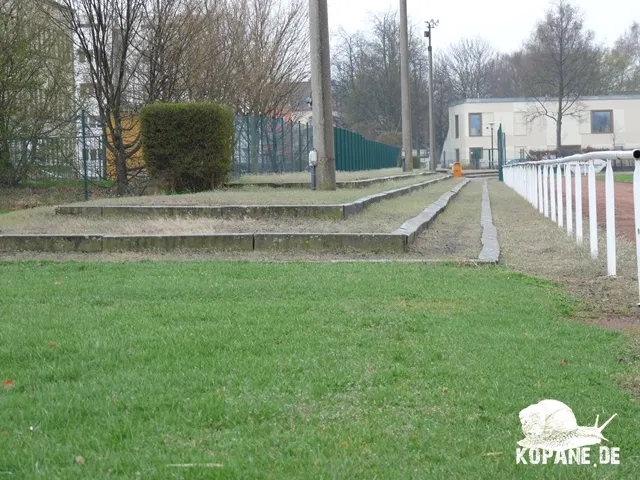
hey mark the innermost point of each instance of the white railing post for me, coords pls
(542, 184)
(545, 190)
(533, 186)
(578, 203)
(552, 192)
(593, 213)
(611, 221)
(569, 194)
(559, 183)
(540, 200)
(636, 210)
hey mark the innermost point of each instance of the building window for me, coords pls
(602, 121)
(475, 124)
(475, 155)
(457, 154)
(457, 126)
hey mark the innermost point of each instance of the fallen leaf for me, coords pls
(564, 362)
(79, 459)
(58, 282)
(52, 344)
(7, 384)
(280, 342)
(445, 390)
(621, 360)
(492, 454)
(5, 434)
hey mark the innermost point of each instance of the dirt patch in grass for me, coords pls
(456, 233)
(383, 217)
(622, 324)
(534, 245)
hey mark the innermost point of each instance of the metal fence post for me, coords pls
(300, 163)
(84, 155)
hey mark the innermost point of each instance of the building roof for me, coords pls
(526, 100)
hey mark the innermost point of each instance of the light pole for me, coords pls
(404, 87)
(321, 95)
(491, 124)
(432, 135)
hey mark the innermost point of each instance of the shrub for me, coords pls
(187, 146)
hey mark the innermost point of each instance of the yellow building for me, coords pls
(131, 135)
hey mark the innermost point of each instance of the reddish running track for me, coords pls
(625, 221)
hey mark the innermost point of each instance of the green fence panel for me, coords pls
(284, 145)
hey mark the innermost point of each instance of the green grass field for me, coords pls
(619, 177)
(298, 370)
(623, 177)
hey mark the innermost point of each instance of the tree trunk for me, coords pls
(559, 152)
(119, 158)
(122, 181)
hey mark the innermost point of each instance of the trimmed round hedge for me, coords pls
(187, 147)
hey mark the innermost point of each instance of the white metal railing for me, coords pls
(541, 183)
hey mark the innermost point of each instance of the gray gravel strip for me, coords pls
(490, 246)
(414, 226)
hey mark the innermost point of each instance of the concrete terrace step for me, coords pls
(397, 242)
(336, 212)
(341, 184)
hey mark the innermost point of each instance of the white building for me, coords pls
(607, 122)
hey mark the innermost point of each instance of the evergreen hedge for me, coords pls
(187, 147)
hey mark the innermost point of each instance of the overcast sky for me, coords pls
(505, 23)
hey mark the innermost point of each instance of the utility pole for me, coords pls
(432, 131)
(407, 146)
(321, 95)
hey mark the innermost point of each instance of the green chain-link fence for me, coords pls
(58, 156)
(274, 145)
(262, 145)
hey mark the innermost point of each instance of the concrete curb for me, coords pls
(51, 243)
(335, 212)
(242, 242)
(370, 242)
(346, 184)
(490, 245)
(413, 227)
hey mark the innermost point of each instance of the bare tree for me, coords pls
(367, 79)
(168, 32)
(216, 53)
(37, 114)
(622, 63)
(471, 65)
(276, 55)
(105, 31)
(564, 66)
